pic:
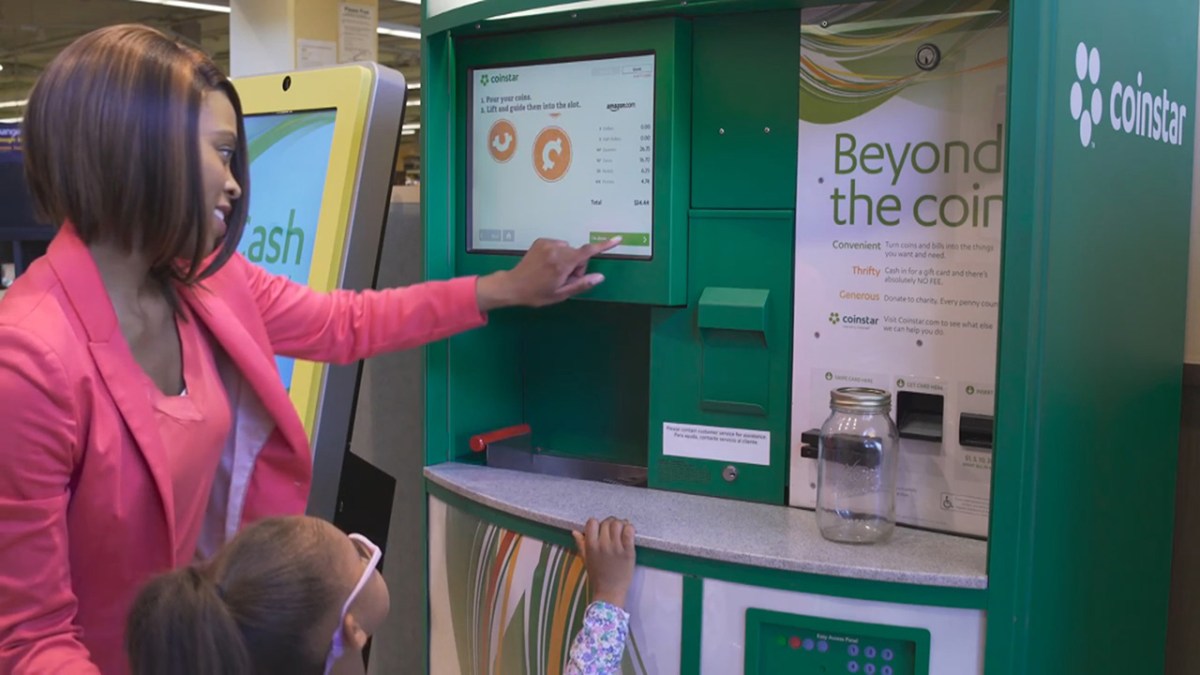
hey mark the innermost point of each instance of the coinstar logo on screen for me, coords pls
(1134, 109)
(497, 79)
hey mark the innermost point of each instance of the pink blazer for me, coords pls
(86, 513)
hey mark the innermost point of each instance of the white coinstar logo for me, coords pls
(1131, 109)
(1087, 69)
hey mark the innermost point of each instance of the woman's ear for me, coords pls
(356, 637)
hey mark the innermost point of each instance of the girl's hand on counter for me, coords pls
(608, 553)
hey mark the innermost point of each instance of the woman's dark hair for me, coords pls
(110, 143)
(257, 608)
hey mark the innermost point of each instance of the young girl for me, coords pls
(295, 595)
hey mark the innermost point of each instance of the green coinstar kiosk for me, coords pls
(979, 206)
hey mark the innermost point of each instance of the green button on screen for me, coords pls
(627, 238)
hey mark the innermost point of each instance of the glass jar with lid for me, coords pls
(856, 467)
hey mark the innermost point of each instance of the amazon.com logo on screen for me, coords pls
(617, 107)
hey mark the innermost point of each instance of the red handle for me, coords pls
(480, 442)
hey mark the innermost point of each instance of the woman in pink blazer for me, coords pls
(142, 419)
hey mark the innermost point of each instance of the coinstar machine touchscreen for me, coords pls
(582, 134)
(927, 214)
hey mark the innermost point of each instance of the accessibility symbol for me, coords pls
(502, 141)
(552, 154)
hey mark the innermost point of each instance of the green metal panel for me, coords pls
(735, 363)
(485, 390)
(436, 209)
(746, 110)
(693, 625)
(577, 373)
(586, 383)
(662, 279)
(726, 376)
(791, 643)
(1091, 343)
(740, 309)
(436, 65)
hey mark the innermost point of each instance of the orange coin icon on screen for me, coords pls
(552, 154)
(502, 141)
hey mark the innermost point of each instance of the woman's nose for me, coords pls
(232, 189)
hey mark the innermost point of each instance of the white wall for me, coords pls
(256, 29)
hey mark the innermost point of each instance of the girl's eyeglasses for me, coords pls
(372, 552)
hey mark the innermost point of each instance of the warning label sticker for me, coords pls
(719, 444)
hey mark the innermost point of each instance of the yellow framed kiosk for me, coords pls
(322, 147)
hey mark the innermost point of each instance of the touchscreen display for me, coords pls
(562, 150)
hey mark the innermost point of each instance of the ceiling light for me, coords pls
(13, 104)
(186, 4)
(412, 102)
(414, 85)
(570, 6)
(17, 120)
(399, 30)
(411, 2)
(411, 127)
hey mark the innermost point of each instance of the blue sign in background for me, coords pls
(10, 142)
(16, 208)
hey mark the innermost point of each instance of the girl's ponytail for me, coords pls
(180, 625)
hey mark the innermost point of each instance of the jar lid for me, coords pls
(862, 399)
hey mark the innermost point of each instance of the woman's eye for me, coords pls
(226, 154)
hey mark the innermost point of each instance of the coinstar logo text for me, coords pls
(497, 79)
(836, 318)
(1137, 107)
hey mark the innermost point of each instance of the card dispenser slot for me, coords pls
(735, 362)
(920, 416)
(976, 431)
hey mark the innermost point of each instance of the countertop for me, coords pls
(744, 533)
